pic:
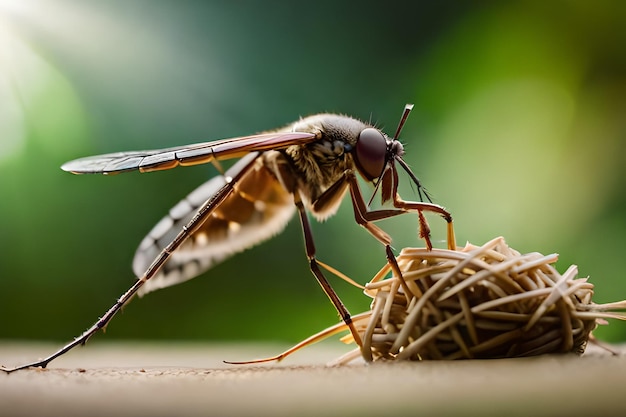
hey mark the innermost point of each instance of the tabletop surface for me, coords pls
(140, 379)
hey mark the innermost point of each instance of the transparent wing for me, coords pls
(258, 209)
(199, 153)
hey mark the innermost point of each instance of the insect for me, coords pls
(307, 166)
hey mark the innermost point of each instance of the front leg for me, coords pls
(420, 207)
(406, 206)
(365, 217)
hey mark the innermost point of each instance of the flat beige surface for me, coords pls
(189, 380)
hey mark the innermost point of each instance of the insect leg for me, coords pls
(82, 339)
(199, 218)
(317, 272)
(364, 216)
(420, 207)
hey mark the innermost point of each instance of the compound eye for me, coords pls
(371, 153)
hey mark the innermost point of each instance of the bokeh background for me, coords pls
(519, 129)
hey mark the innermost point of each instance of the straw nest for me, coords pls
(485, 301)
(480, 302)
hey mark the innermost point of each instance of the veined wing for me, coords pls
(258, 208)
(199, 153)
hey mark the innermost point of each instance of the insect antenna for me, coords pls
(420, 188)
(405, 115)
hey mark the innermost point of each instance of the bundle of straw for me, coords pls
(478, 302)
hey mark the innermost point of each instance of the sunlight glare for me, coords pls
(36, 100)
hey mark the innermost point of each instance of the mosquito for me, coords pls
(305, 167)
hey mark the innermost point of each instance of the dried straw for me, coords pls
(477, 302)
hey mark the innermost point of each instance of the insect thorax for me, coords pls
(317, 165)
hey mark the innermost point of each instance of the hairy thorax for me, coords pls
(316, 166)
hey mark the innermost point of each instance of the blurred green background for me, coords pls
(519, 129)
